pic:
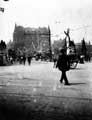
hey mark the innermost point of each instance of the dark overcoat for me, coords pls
(63, 63)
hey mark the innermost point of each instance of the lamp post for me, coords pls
(50, 49)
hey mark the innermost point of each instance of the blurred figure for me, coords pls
(24, 59)
(63, 65)
(82, 59)
(55, 61)
(29, 58)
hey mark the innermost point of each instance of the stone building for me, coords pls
(32, 39)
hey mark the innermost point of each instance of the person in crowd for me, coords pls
(63, 65)
(24, 59)
(55, 61)
(29, 58)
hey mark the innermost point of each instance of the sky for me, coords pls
(58, 14)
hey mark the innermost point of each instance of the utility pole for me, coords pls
(50, 49)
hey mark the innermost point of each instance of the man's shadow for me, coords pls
(77, 83)
(77, 68)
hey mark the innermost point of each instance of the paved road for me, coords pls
(35, 92)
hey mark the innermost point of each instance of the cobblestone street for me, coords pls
(34, 92)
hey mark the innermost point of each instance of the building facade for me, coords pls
(32, 39)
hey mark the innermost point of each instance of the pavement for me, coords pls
(35, 93)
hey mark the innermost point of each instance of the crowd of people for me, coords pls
(21, 59)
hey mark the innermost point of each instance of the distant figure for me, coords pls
(20, 59)
(82, 59)
(24, 59)
(63, 65)
(29, 58)
(55, 61)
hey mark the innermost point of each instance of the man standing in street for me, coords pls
(63, 65)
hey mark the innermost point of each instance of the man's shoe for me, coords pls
(61, 81)
(67, 83)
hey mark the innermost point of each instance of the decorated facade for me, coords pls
(32, 39)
